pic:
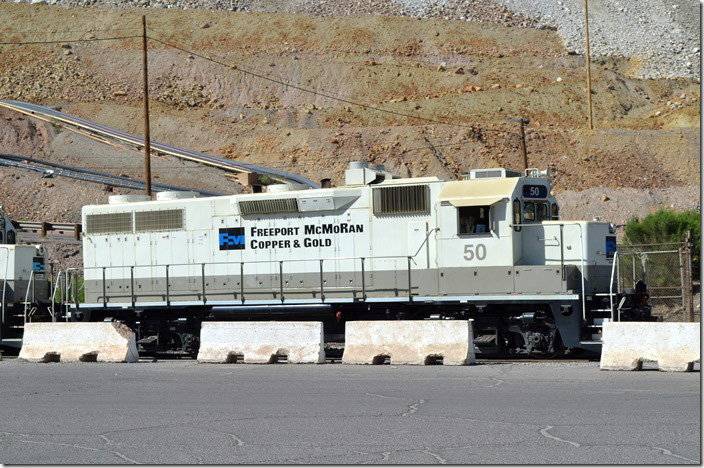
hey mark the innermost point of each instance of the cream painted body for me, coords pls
(310, 250)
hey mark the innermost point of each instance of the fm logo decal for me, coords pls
(231, 238)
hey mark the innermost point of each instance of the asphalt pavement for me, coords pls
(182, 412)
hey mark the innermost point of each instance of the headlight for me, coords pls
(612, 228)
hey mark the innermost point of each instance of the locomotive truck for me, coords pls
(491, 247)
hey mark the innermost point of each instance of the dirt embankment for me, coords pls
(446, 88)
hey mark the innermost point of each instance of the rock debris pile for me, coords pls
(661, 36)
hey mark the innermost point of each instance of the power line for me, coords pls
(70, 40)
(69, 32)
(300, 87)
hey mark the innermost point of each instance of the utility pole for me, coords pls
(589, 71)
(521, 122)
(147, 146)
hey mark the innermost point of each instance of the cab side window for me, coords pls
(555, 211)
(529, 211)
(542, 211)
(473, 220)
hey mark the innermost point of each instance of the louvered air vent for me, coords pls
(257, 207)
(161, 220)
(109, 223)
(404, 199)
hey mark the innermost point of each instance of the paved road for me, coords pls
(185, 413)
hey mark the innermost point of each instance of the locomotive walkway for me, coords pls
(182, 412)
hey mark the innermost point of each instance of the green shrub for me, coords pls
(664, 226)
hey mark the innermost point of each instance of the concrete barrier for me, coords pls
(78, 341)
(261, 342)
(409, 342)
(675, 346)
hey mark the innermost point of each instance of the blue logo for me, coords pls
(38, 264)
(231, 238)
(610, 246)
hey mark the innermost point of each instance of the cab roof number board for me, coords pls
(535, 191)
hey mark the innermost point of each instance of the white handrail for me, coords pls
(581, 253)
(611, 284)
(26, 294)
(53, 296)
(4, 282)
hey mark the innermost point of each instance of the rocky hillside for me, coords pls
(428, 88)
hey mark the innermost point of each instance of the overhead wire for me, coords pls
(291, 84)
(64, 41)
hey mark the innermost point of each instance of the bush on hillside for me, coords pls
(664, 226)
(667, 226)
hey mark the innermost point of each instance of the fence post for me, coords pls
(683, 279)
(688, 277)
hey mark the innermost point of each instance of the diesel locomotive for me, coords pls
(491, 247)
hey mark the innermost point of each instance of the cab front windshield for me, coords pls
(535, 211)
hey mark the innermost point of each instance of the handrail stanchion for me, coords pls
(410, 290)
(105, 294)
(364, 289)
(26, 295)
(168, 297)
(4, 282)
(65, 299)
(242, 282)
(562, 251)
(281, 279)
(322, 292)
(75, 289)
(202, 281)
(132, 286)
(611, 284)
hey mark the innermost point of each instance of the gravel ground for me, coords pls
(661, 36)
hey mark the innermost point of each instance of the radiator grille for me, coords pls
(405, 199)
(162, 220)
(109, 223)
(281, 205)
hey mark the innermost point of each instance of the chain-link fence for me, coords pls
(666, 269)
